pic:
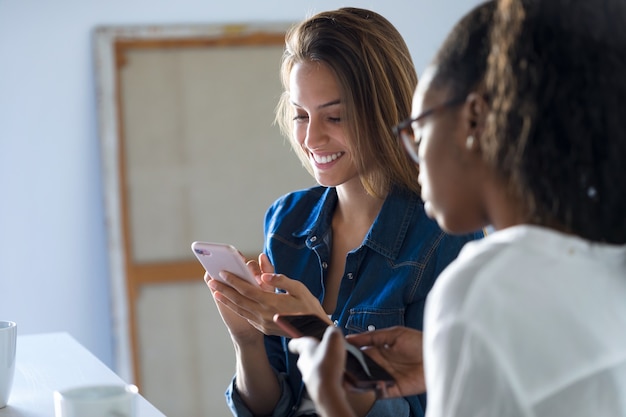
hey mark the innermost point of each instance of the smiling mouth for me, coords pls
(325, 159)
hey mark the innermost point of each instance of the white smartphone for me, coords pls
(216, 257)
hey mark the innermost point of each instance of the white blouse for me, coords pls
(528, 322)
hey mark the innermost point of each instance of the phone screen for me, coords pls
(361, 370)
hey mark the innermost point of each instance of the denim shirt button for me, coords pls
(313, 239)
(335, 323)
(349, 275)
(324, 265)
(371, 327)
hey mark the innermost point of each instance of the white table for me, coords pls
(52, 361)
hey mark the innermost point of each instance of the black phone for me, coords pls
(361, 370)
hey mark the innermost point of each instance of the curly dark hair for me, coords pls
(461, 60)
(557, 78)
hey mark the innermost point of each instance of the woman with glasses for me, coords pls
(531, 320)
(358, 250)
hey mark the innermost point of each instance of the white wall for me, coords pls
(53, 265)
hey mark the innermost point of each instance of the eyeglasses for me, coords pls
(406, 134)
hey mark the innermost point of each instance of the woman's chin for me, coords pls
(436, 215)
(430, 211)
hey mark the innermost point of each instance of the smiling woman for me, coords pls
(318, 127)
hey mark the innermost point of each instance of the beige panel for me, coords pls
(204, 159)
(187, 356)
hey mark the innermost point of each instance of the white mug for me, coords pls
(96, 401)
(8, 338)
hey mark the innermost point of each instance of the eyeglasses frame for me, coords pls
(408, 141)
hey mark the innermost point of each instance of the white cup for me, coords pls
(96, 401)
(8, 338)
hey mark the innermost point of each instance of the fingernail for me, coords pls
(267, 277)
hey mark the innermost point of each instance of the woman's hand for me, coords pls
(257, 382)
(241, 331)
(399, 350)
(257, 305)
(322, 366)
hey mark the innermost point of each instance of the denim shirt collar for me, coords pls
(388, 230)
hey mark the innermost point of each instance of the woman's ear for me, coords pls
(476, 113)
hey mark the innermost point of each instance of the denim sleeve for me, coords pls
(238, 407)
(396, 407)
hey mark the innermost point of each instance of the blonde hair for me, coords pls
(377, 78)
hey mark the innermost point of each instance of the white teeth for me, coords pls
(326, 158)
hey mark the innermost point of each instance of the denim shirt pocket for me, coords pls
(364, 319)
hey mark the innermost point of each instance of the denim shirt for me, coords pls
(385, 282)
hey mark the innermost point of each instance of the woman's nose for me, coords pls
(314, 134)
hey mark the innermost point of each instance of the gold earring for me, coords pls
(469, 142)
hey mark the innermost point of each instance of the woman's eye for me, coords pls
(334, 119)
(301, 118)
